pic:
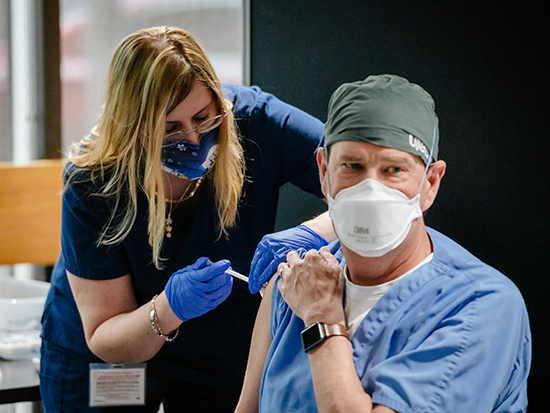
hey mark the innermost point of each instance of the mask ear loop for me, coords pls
(428, 162)
(326, 161)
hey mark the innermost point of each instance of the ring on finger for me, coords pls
(280, 273)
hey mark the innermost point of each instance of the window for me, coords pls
(5, 101)
(92, 29)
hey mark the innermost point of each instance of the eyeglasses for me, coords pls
(204, 127)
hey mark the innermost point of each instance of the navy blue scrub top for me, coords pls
(279, 144)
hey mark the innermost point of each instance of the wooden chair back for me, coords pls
(30, 212)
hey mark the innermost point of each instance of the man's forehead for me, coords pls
(352, 150)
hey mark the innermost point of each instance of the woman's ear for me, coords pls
(322, 164)
(431, 185)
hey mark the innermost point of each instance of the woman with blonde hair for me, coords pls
(177, 182)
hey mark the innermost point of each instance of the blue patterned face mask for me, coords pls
(190, 160)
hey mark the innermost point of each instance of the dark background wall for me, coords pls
(485, 64)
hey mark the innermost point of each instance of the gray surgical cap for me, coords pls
(385, 110)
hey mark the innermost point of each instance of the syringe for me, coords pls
(244, 278)
(237, 275)
(241, 277)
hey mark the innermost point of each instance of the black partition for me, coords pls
(485, 65)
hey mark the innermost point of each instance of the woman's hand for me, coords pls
(313, 287)
(198, 288)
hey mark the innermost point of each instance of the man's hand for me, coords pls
(313, 287)
(273, 248)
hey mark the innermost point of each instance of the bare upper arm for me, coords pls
(99, 300)
(262, 327)
(261, 340)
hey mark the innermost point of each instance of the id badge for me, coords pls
(117, 384)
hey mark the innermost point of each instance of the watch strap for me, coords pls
(335, 330)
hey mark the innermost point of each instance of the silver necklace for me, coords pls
(186, 195)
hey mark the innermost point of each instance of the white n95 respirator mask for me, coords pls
(371, 219)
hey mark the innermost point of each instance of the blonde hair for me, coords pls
(151, 72)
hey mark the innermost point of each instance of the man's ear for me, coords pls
(322, 164)
(431, 184)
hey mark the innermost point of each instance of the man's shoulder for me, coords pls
(459, 264)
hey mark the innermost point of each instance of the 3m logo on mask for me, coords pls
(361, 230)
(419, 146)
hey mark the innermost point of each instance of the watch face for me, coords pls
(312, 336)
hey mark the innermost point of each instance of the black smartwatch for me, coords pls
(318, 332)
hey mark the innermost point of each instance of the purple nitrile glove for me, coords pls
(198, 288)
(273, 248)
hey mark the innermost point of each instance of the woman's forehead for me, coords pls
(199, 99)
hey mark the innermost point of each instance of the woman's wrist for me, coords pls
(166, 321)
(155, 324)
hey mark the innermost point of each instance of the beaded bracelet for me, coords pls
(156, 327)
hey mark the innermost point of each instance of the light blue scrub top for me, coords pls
(453, 336)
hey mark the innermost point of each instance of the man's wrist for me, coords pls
(319, 332)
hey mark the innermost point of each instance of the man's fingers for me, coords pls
(327, 256)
